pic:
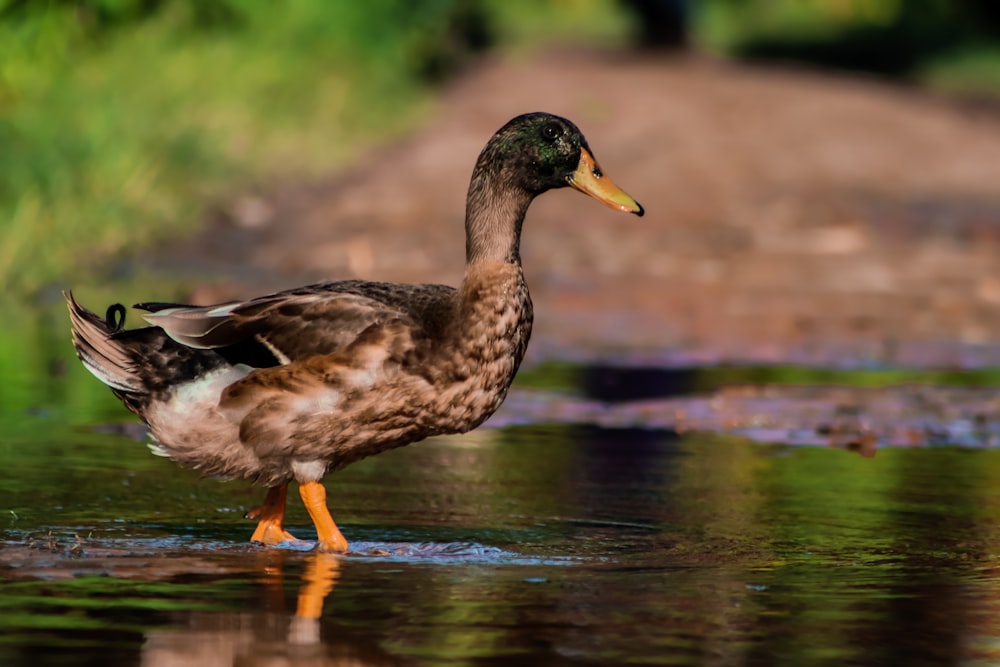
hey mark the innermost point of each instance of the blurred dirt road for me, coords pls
(791, 215)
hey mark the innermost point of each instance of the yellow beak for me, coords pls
(589, 179)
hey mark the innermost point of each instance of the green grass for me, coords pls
(114, 143)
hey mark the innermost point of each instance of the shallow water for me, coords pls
(584, 525)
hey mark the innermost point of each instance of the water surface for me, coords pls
(579, 528)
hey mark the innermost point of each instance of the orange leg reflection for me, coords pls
(320, 576)
(270, 529)
(322, 573)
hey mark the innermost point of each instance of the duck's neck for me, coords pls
(494, 214)
(494, 306)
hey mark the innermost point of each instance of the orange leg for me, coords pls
(330, 538)
(270, 529)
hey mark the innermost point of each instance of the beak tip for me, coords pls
(640, 211)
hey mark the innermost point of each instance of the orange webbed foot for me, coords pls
(271, 534)
(270, 529)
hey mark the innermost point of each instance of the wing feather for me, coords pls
(299, 323)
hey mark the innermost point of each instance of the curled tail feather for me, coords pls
(104, 356)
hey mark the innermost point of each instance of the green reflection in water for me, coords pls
(698, 380)
(618, 546)
(674, 550)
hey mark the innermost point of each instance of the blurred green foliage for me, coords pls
(894, 37)
(121, 119)
(974, 69)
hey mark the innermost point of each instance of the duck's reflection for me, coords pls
(273, 636)
(320, 576)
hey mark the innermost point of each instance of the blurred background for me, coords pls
(819, 265)
(124, 122)
(821, 176)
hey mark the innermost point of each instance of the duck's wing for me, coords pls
(296, 324)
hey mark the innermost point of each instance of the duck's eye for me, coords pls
(551, 132)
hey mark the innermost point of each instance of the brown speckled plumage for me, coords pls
(294, 385)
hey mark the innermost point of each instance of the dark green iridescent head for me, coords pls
(539, 150)
(532, 153)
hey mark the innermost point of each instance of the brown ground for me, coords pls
(791, 215)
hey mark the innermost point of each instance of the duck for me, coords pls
(295, 385)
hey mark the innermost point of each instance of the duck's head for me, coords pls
(541, 151)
